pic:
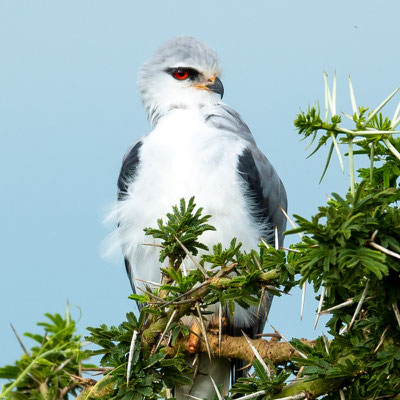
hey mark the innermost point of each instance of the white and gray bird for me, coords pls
(198, 147)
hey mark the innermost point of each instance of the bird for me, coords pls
(200, 147)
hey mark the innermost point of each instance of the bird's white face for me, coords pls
(167, 81)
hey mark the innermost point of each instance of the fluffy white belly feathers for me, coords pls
(184, 157)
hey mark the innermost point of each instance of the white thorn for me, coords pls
(359, 305)
(394, 125)
(370, 131)
(396, 113)
(392, 148)
(341, 305)
(196, 358)
(290, 221)
(328, 93)
(166, 329)
(334, 95)
(338, 151)
(264, 243)
(396, 312)
(62, 365)
(276, 238)
(20, 341)
(261, 300)
(344, 130)
(293, 250)
(379, 108)
(287, 341)
(257, 354)
(183, 267)
(67, 314)
(191, 396)
(153, 245)
(321, 300)
(303, 299)
(352, 98)
(131, 349)
(149, 282)
(325, 343)
(216, 388)
(381, 339)
(256, 261)
(252, 395)
(327, 102)
(203, 329)
(220, 327)
(343, 330)
(347, 116)
(195, 262)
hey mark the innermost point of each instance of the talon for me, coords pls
(214, 324)
(194, 337)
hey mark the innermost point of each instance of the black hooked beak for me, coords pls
(216, 86)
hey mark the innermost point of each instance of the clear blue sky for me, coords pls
(69, 109)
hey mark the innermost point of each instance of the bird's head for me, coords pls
(183, 72)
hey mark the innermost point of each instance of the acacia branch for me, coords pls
(237, 347)
(157, 325)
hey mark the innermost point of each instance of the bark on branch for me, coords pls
(237, 347)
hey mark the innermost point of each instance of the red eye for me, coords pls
(181, 74)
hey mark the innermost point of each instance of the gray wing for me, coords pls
(265, 195)
(265, 190)
(126, 177)
(129, 167)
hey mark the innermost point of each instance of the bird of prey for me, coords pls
(199, 147)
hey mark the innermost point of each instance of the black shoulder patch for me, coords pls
(128, 170)
(247, 169)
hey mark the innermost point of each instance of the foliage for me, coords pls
(50, 370)
(148, 375)
(183, 225)
(261, 381)
(351, 248)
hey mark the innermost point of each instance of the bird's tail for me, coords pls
(203, 388)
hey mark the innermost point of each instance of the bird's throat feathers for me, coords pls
(159, 103)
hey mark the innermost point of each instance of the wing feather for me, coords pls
(129, 167)
(130, 164)
(265, 195)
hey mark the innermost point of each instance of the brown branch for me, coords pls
(156, 325)
(237, 347)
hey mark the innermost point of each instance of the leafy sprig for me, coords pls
(52, 368)
(182, 224)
